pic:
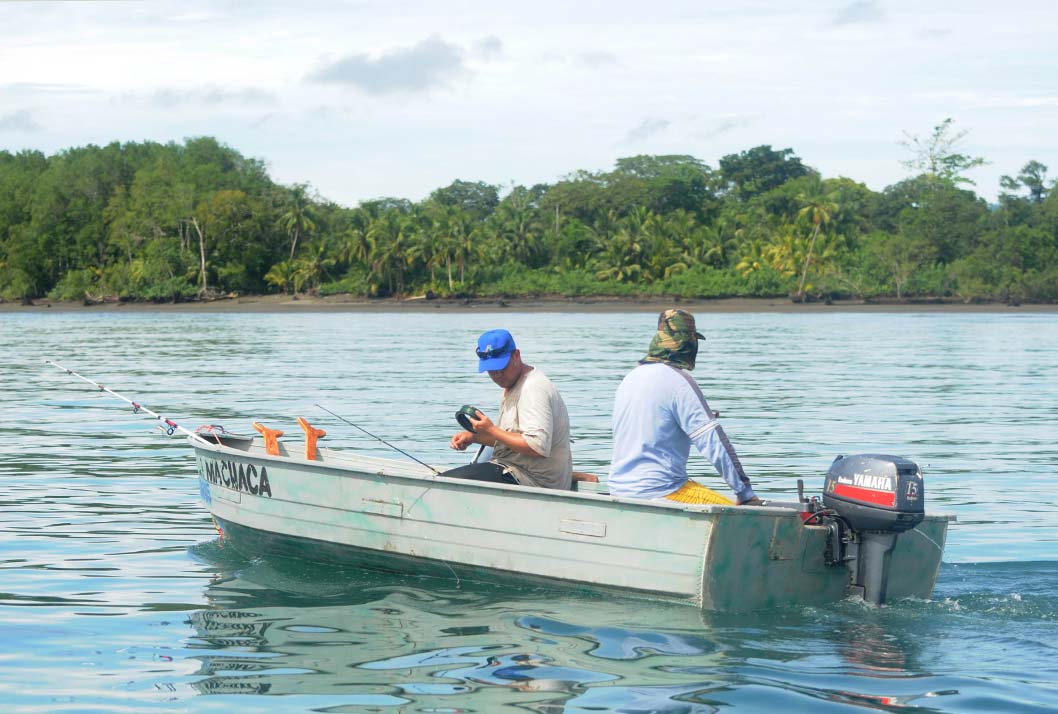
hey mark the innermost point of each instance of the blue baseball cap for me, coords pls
(494, 351)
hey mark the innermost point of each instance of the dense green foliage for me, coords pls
(179, 221)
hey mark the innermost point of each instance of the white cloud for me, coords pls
(726, 125)
(598, 59)
(22, 120)
(646, 129)
(859, 12)
(208, 94)
(566, 88)
(427, 65)
(489, 47)
(934, 33)
(44, 88)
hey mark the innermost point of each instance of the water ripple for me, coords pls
(117, 594)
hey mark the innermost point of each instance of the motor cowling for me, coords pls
(874, 492)
(873, 498)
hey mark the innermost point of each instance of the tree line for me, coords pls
(191, 220)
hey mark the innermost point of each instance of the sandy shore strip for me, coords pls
(346, 303)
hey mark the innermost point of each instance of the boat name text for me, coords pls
(239, 477)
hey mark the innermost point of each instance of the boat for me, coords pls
(868, 537)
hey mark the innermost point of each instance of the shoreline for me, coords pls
(346, 303)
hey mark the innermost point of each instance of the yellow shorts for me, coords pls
(694, 492)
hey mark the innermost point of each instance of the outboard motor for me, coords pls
(875, 498)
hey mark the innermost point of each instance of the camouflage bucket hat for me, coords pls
(676, 341)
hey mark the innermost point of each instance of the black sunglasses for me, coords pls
(489, 353)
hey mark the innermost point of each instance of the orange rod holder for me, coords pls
(311, 435)
(271, 438)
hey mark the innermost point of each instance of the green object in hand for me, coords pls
(464, 415)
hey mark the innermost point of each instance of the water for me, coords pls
(116, 594)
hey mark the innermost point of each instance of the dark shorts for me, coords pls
(488, 471)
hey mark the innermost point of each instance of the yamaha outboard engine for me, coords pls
(875, 499)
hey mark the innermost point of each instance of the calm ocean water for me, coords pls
(117, 595)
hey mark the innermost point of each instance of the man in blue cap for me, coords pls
(531, 439)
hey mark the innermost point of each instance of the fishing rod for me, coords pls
(336, 416)
(170, 425)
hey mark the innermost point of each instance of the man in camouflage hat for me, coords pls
(659, 411)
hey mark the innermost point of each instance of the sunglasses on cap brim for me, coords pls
(490, 354)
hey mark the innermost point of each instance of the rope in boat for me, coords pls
(170, 425)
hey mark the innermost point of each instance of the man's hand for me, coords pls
(482, 424)
(461, 440)
(487, 432)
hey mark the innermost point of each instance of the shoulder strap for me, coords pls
(694, 385)
(740, 472)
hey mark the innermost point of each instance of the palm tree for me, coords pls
(354, 246)
(786, 251)
(817, 208)
(421, 228)
(625, 256)
(666, 237)
(463, 242)
(283, 276)
(517, 224)
(714, 244)
(310, 271)
(443, 229)
(390, 235)
(754, 257)
(604, 228)
(299, 218)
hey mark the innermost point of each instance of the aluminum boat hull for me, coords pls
(381, 513)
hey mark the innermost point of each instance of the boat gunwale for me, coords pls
(406, 472)
(350, 471)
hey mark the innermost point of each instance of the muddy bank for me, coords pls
(346, 303)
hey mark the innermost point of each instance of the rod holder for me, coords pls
(271, 438)
(311, 435)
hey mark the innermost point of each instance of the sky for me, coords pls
(368, 99)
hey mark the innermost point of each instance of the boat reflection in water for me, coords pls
(373, 639)
(361, 638)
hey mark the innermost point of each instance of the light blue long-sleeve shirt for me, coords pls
(658, 413)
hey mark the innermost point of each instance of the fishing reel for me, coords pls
(464, 415)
